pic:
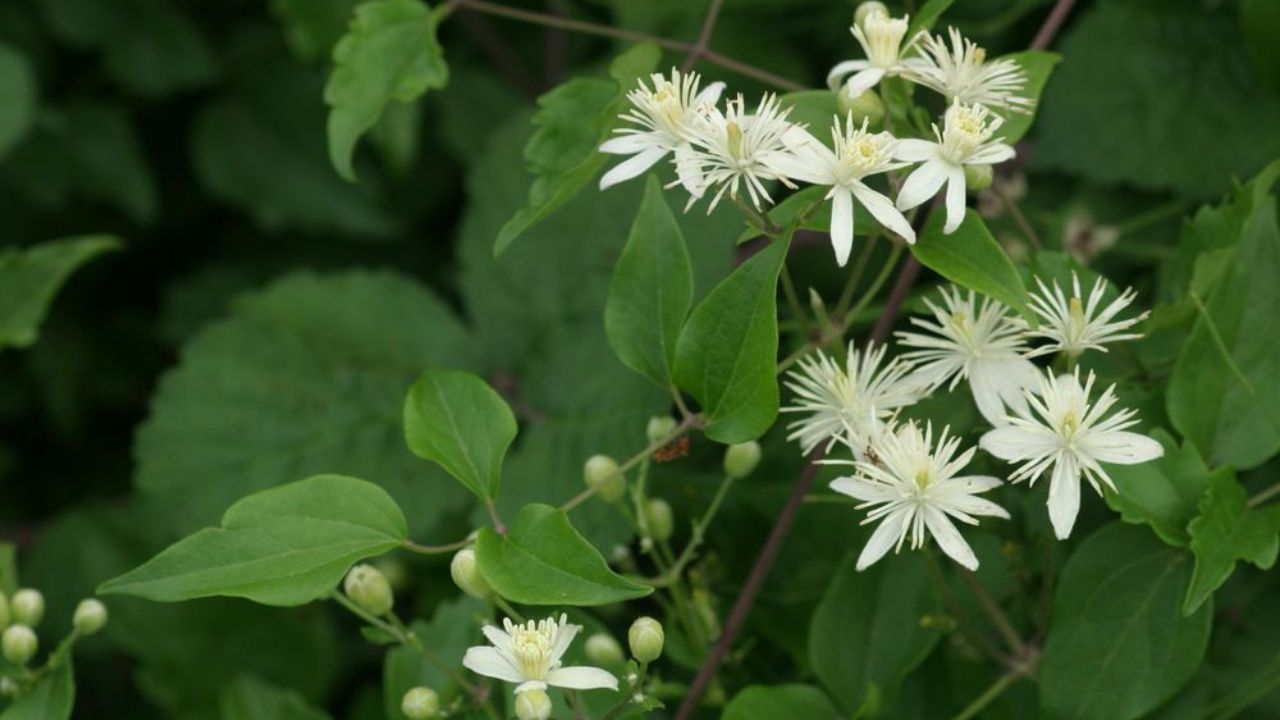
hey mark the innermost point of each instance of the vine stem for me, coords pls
(689, 423)
(997, 615)
(704, 37)
(1264, 496)
(695, 541)
(412, 546)
(986, 698)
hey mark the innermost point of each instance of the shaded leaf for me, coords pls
(769, 702)
(18, 88)
(30, 278)
(312, 27)
(1226, 531)
(1038, 64)
(52, 698)
(453, 628)
(1164, 493)
(249, 698)
(971, 258)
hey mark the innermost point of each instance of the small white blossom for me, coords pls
(881, 39)
(850, 403)
(664, 115)
(1065, 434)
(857, 154)
(981, 343)
(965, 139)
(962, 73)
(1074, 324)
(529, 655)
(732, 149)
(913, 488)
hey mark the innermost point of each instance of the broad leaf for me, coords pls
(390, 53)
(927, 15)
(1038, 64)
(770, 702)
(970, 257)
(455, 419)
(1164, 493)
(651, 291)
(18, 88)
(284, 546)
(1119, 645)
(30, 278)
(727, 353)
(249, 698)
(1226, 531)
(542, 560)
(815, 109)
(52, 698)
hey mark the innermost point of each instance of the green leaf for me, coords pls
(815, 109)
(573, 119)
(249, 698)
(1258, 22)
(727, 353)
(865, 636)
(971, 257)
(927, 15)
(1038, 64)
(18, 88)
(651, 291)
(1164, 493)
(453, 628)
(52, 698)
(389, 53)
(542, 560)
(1119, 646)
(456, 420)
(30, 278)
(285, 546)
(1226, 531)
(770, 702)
(313, 27)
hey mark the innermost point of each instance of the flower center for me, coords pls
(532, 647)
(884, 37)
(1069, 426)
(734, 132)
(966, 128)
(1075, 324)
(923, 478)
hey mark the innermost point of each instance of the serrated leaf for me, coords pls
(52, 698)
(542, 560)
(651, 290)
(1038, 65)
(456, 420)
(248, 698)
(770, 702)
(1164, 493)
(727, 354)
(30, 278)
(971, 258)
(284, 546)
(1226, 531)
(18, 88)
(389, 53)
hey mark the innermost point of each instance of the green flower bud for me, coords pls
(660, 427)
(533, 705)
(867, 9)
(741, 460)
(369, 589)
(466, 574)
(420, 703)
(601, 473)
(4, 611)
(646, 638)
(866, 105)
(658, 519)
(27, 607)
(20, 644)
(90, 616)
(602, 649)
(977, 177)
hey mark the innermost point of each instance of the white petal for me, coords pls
(882, 209)
(863, 81)
(630, 143)
(632, 166)
(992, 153)
(860, 489)
(922, 184)
(949, 539)
(1123, 448)
(842, 224)
(844, 68)
(497, 637)
(885, 537)
(915, 150)
(710, 94)
(563, 639)
(1017, 443)
(489, 662)
(955, 200)
(582, 678)
(1064, 496)
(689, 170)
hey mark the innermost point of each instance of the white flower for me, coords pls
(913, 488)
(1062, 431)
(733, 148)
(664, 115)
(850, 403)
(964, 140)
(962, 73)
(881, 39)
(529, 654)
(980, 343)
(857, 154)
(1073, 324)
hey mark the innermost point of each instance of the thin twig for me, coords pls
(997, 615)
(704, 37)
(1264, 496)
(412, 546)
(690, 422)
(986, 698)
(1052, 24)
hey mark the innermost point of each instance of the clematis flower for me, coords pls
(732, 149)
(1074, 324)
(1067, 436)
(962, 73)
(965, 139)
(881, 39)
(529, 655)
(914, 488)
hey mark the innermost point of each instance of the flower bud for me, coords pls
(27, 607)
(420, 703)
(658, 519)
(533, 705)
(601, 473)
(741, 460)
(867, 9)
(660, 427)
(602, 649)
(20, 644)
(977, 177)
(90, 616)
(4, 611)
(369, 589)
(9, 688)
(866, 105)
(646, 638)
(466, 574)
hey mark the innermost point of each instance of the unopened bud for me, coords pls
(741, 460)
(660, 427)
(602, 649)
(369, 589)
(466, 574)
(20, 644)
(27, 607)
(977, 177)
(533, 705)
(601, 474)
(420, 703)
(9, 688)
(4, 611)
(658, 519)
(865, 106)
(646, 638)
(867, 9)
(90, 616)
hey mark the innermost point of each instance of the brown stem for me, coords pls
(499, 51)
(704, 37)
(901, 286)
(1052, 24)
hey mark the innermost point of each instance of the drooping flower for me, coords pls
(849, 403)
(981, 343)
(1064, 434)
(732, 149)
(962, 73)
(914, 489)
(1074, 324)
(529, 654)
(965, 139)
(881, 39)
(857, 154)
(663, 115)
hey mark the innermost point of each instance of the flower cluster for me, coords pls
(737, 151)
(1047, 423)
